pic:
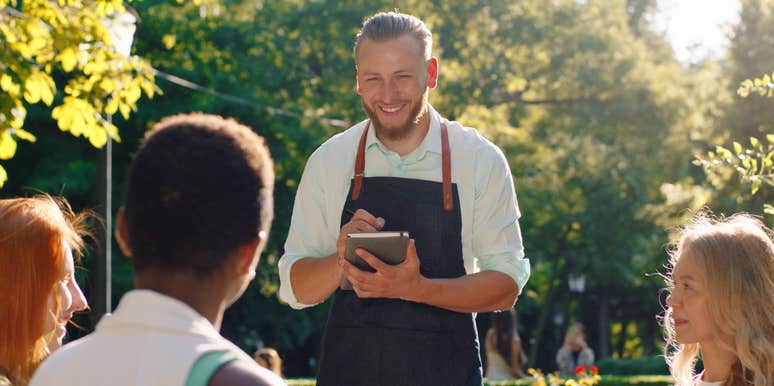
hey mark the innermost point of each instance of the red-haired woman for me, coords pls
(38, 291)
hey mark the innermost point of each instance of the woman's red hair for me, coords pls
(34, 234)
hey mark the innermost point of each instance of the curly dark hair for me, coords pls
(199, 187)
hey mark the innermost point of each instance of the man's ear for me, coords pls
(357, 82)
(122, 236)
(432, 72)
(248, 255)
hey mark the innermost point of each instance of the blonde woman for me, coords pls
(721, 279)
(38, 291)
(270, 359)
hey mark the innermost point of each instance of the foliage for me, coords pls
(753, 164)
(651, 364)
(763, 86)
(748, 118)
(50, 46)
(582, 378)
(639, 380)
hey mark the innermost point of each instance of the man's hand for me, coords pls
(401, 281)
(361, 221)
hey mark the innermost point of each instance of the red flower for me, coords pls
(594, 370)
(579, 370)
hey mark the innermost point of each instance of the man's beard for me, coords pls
(397, 133)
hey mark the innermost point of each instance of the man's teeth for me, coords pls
(390, 109)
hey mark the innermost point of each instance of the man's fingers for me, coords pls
(363, 215)
(411, 253)
(360, 226)
(372, 260)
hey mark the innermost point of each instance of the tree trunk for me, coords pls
(604, 326)
(544, 314)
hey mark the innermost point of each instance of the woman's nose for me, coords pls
(79, 301)
(670, 300)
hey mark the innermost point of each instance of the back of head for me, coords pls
(34, 235)
(199, 187)
(735, 256)
(392, 25)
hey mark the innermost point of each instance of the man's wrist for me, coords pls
(420, 291)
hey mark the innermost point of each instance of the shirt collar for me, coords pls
(151, 309)
(431, 142)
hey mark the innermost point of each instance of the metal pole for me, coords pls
(101, 301)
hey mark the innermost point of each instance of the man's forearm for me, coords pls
(480, 292)
(314, 279)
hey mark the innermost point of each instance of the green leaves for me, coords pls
(754, 164)
(42, 38)
(763, 86)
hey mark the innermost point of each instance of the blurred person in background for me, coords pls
(504, 353)
(575, 351)
(270, 359)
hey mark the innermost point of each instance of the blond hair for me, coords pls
(392, 25)
(735, 257)
(270, 359)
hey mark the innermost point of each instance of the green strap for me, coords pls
(206, 366)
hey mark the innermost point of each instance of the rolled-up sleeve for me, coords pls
(308, 235)
(497, 243)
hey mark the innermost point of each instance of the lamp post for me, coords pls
(121, 27)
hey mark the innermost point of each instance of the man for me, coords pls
(404, 169)
(196, 218)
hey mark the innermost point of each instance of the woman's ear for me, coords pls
(122, 237)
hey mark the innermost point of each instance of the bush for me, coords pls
(610, 380)
(645, 365)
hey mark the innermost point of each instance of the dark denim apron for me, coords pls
(391, 342)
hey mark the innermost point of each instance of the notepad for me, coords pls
(389, 247)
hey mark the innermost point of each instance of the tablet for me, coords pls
(389, 247)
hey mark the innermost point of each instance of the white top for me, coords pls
(491, 238)
(698, 382)
(497, 368)
(150, 340)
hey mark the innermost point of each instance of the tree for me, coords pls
(51, 46)
(748, 120)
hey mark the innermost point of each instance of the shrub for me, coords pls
(654, 364)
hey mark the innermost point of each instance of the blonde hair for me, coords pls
(392, 25)
(573, 331)
(735, 257)
(34, 235)
(270, 359)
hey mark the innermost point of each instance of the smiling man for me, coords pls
(406, 168)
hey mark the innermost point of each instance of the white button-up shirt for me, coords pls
(491, 238)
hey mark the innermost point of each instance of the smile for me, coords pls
(391, 109)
